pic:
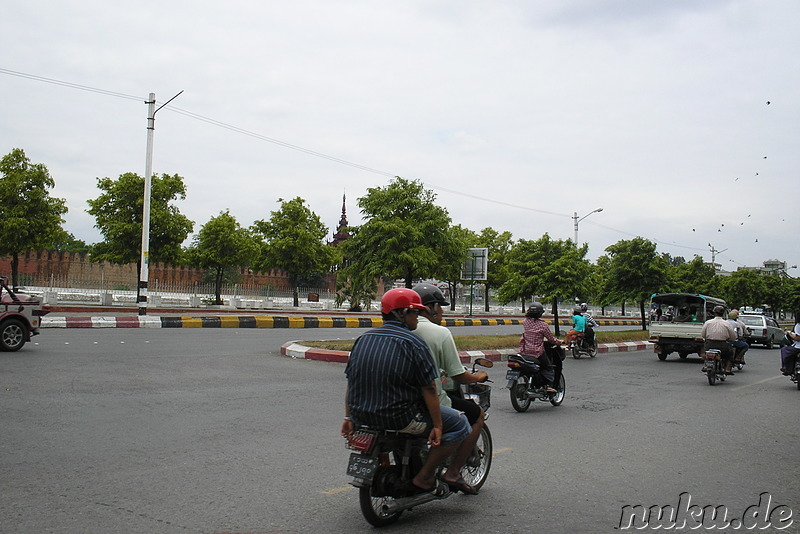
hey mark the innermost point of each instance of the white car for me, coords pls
(763, 330)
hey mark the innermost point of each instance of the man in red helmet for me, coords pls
(391, 384)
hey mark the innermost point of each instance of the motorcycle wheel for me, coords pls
(558, 398)
(519, 395)
(712, 377)
(576, 352)
(593, 349)
(476, 469)
(798, 383)
(372, 508)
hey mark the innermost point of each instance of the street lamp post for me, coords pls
(576, 220)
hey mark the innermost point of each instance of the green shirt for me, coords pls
(444, 352)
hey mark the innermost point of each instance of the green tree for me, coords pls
(695, 276)
(402, 234)
(499, 244)
(69, 244)
(453, 254)
(293, 239)
(221, 246)
(743, 287)
(551, 269)
(118, 216)
(635, 272)
(30, 218)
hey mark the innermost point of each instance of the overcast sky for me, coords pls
(679, 118)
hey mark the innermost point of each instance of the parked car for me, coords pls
(763, 330)
(20, 317)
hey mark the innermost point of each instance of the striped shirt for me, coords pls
(385, 371)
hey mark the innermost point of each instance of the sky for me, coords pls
(680, 119)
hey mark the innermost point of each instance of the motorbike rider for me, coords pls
(740, 346)
(590, 323)
(531, 344)
(717, 332)
(391, 384)
(578, 326)
(790, 353)
(445, 355)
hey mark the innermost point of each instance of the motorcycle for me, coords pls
(581, 347)
(713, 366)
(385, 461)
(526, 383)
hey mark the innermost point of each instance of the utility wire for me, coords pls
(308, 151)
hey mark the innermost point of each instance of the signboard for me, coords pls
(476, 264)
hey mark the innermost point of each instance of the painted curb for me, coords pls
(293, 349)
(265, 321)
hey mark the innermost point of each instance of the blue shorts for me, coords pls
(455, 426)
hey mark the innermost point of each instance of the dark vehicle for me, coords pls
(20, 317)
(526, 383)
(580, 346)
(713, 366)
(762, 330)
(678, 327)
(384, 462)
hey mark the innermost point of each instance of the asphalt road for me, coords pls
(212, 431)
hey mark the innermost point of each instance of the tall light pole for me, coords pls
(576, 220)
(144, 269)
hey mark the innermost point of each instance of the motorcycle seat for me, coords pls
(521, 358)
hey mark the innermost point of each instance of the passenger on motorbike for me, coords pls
(531, 343)
(717, 332)
(740, 346)
(590, 323)
(790, 353)
(391, 385)
(445, 355)
(576, 334)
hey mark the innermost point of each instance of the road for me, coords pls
(211, 431)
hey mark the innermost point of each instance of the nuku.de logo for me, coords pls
(688, 516)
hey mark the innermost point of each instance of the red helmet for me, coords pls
(401, 298)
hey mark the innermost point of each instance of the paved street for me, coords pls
(211, 431)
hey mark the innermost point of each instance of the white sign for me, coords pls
(476, 264)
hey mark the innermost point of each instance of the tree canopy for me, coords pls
(30, 218)
(293, 239)
(118, 216)
(404, 235)
(222, 244)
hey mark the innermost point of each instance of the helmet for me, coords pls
(400, 298)
(430, 294)
(584, 306)
(576, 311)
(719, 310)
(733, 314)
(535, 310)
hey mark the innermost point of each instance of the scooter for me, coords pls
(384, 462)
(526, 383)
(581, 347)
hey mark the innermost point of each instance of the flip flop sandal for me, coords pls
(462, 486)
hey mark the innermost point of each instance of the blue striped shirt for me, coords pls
(385, 371)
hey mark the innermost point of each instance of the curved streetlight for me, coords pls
(576, 220)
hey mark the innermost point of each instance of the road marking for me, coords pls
(737, 388)
(337, 490)
(501, 451)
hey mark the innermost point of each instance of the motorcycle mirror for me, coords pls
(483, 362)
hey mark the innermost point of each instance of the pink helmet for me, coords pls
(401, 298)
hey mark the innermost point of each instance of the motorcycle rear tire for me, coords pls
(712, 377)
(576, 352)
(519, 395)
(558, 398)
(592, 349)
(371, 508)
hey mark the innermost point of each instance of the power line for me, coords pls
(308, 151)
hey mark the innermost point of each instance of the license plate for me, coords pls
(361, 466)
(511, 374)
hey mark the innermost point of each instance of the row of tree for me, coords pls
(405, 235)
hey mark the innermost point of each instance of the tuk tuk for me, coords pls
(676, 321)
(20, 317)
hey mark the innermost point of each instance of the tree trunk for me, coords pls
(218, 286)
(14, 271)
(555, 317)
(644, 320)
(295, 295)
(486, 298)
